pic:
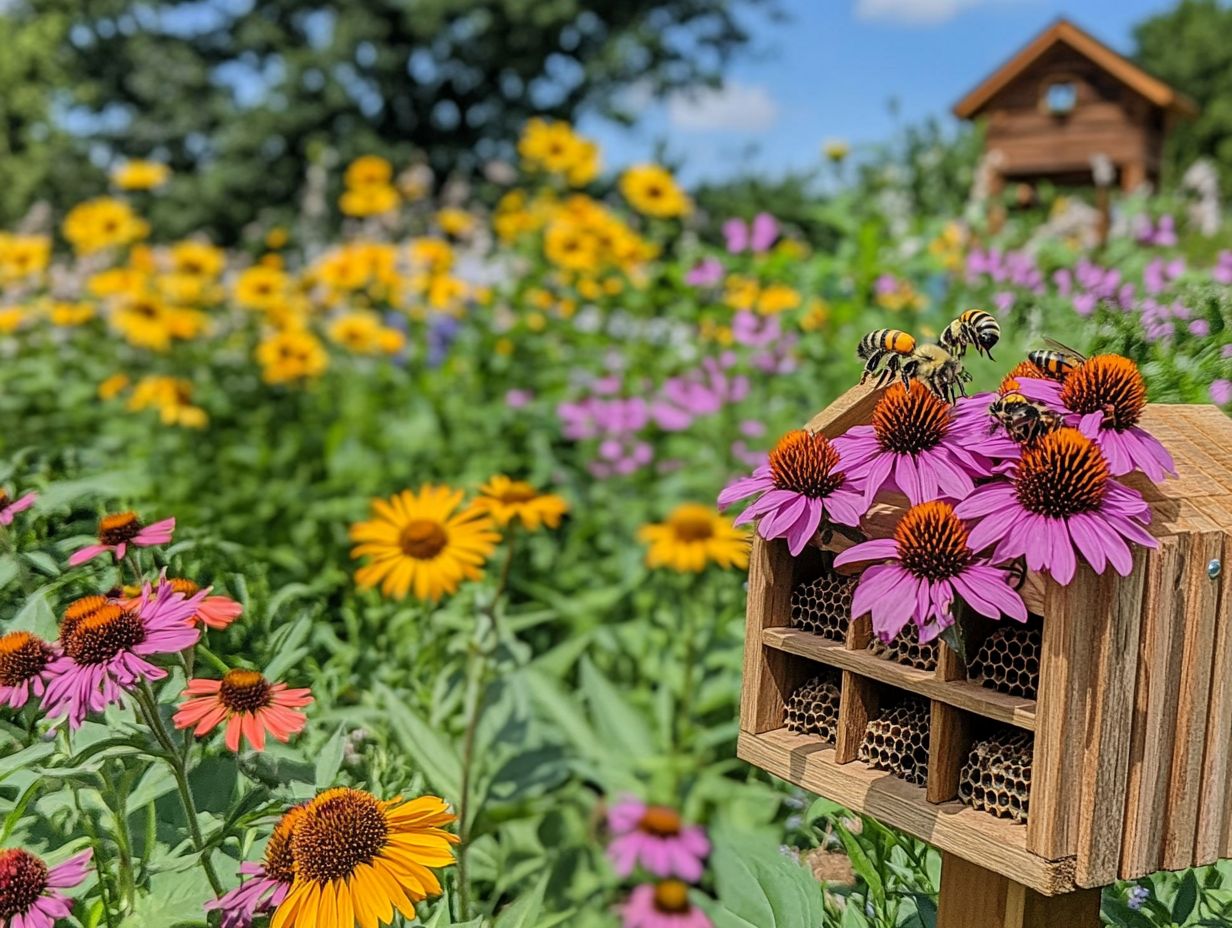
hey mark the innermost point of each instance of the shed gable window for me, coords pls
(1060, 98)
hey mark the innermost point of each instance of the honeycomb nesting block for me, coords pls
(907, 650)
(997, 775)
(1009, 660)
(813, 708)
(823, 606)
(897, 740)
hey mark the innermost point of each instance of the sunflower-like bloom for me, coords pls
(505, 500)
(421, 543)
(359, 858)
(693, 537)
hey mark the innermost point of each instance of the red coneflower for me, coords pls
(248, 703)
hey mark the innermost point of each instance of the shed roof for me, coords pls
(1152, 88)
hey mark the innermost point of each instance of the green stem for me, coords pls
(212, 659)
(145, 697)
(683, 719)
(99, 860)
(123, 840)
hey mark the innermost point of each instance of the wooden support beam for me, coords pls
(972, 897)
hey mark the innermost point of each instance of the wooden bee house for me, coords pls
(1124, 756)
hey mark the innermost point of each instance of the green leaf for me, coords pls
(8, 570)
(1186, 898)
(760, 886)
(330, 760)
(427, 747)
(36, 616)
(618, 723)
(524, 912)
(174, 898)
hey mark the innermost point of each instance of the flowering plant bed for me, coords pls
(1129, 734)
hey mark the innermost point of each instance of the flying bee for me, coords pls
(909, 360)
(1023, 419)
(1058, 361)
(975, 328)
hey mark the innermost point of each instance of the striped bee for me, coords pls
(1058, 361)
(975, 328)
(1023, 419)
(909, 360)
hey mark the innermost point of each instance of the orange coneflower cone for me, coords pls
(250, 706)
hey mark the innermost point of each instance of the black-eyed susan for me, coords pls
(359, 858)
(420, 542)
(693, 537)
(651, 190)
(506, 500)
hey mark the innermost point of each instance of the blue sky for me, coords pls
(829, 71)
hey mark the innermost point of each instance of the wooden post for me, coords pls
(972, 897)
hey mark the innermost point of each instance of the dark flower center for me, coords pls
(1023, 370)
(804, 462)
(1061, 474)
(4, 498)
(23, 879)
(910, 421)
(692, 524)
(423, 539)
(341, 829)
(244, 691)
(22, 657)
(660, 821)
(118, 528)
(80, 609)
(932, 541)
(671, 897)
(518, 492)
(98, 638)
(1110, 384)
(279, 855)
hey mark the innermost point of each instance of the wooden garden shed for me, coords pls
(1067, 98)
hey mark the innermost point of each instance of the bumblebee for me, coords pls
(975, 328)
(909, 360)
(1058, 361)
(1023, 419)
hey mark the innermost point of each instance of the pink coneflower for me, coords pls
(119, 530)
(249, 705)
(917, 443)
(662, 905)
(1105, 397)
(11, 507)
(706, 273)
(30, 894)
(106, 651)
(269, 880)
(1058, 498)
(656, 838)
(928, 564)
(800, 487)
(216, 612)
(23, 668)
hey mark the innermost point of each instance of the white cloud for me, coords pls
(926, 12)
(734, 107)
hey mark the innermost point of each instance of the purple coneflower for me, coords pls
(927, 565)
(917, 444)
(30, 894)
(1104, 398)
(11, 507)
(24, 659)
(1058, 498)
(662, 905)
(269, 881)
(656, 838)
(116, 532)
(799, 487)
(105, 653)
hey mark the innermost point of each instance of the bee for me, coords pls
(1058, 361)
(975, 328)
(909, 360)
(1023, 419)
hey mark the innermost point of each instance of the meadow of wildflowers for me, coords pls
(362, 578)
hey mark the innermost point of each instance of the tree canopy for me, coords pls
(239, 96)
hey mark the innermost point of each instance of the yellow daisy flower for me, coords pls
(693, 537)
(505, 500)
(368, 171)
(291, 355)
(417, 543)
(653, 191)
(358, 858)
(141, 175)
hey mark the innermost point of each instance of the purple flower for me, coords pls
(655, 838)
(105, 655)
(926, 566)
(1200, 328)
(11, 507)
(36, 900)
(917, 444)
(797, 490)
(519, 399)
(1221, 392)
(1222, 272)
(706, 273)
(1059, 501)
(259, 895)
(1105, 398)
(24, 662)
(116, 532)
(662, 905)
(756, 236)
